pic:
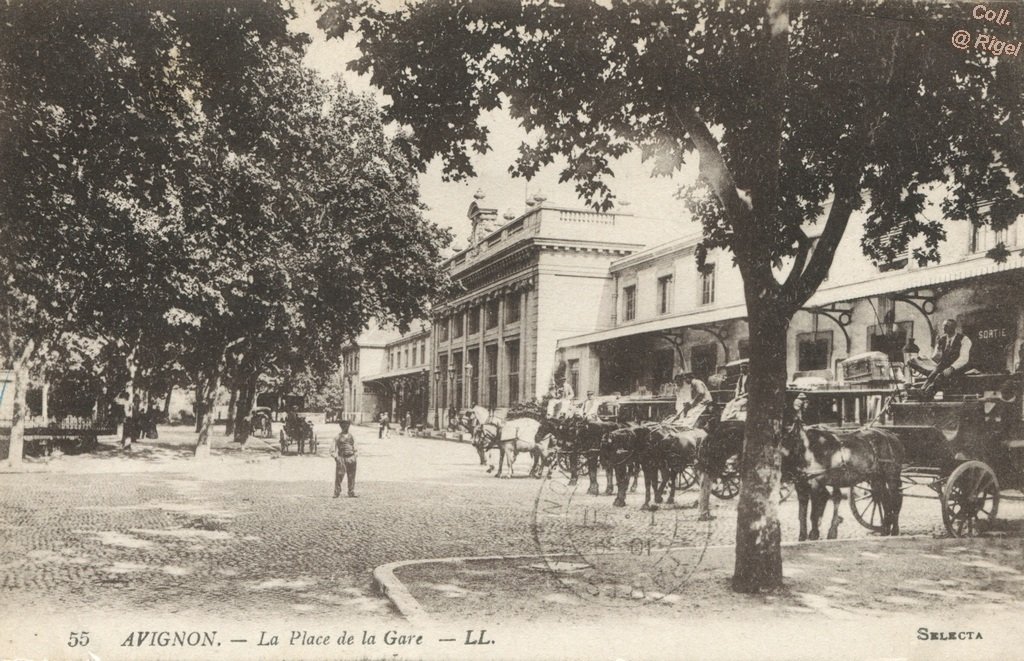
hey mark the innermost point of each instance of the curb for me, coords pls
(388, 585)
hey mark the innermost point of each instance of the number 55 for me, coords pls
(78, 638)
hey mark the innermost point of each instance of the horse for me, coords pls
(513, 437)
(476, 418)
(583, 438)
(628, 447)
(820, 458)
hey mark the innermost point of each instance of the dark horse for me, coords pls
(582, 439)
(817, 459)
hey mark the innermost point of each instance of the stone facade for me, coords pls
(526, 283)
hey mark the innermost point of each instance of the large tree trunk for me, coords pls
(130, 431)
(16, 447)
(200, 401)
(245, 402)
(758, 555)
(229, 427)
(167, 403)
(212, 387)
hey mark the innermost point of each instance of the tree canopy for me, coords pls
(800, 115)
(178, 187)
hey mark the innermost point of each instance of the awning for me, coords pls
(405, 374)
(662, 323)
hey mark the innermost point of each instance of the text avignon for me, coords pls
(171, 639)
(925, 634)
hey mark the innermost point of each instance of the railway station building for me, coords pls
(384, 370)
(666, 317)
(526, 280)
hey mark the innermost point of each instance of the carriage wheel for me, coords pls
(686, 478)
(284, 442)
(312, 444)
(970, 499)
(728, 483)
(866, 507)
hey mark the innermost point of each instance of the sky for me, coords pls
(636, 191)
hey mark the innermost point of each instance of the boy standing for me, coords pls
(344, 453)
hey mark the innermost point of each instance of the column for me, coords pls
(481, 319)
(523, 347)
(502, 373)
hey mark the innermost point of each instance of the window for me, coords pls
(512, 361)
(892, 347)
(423, 352)
(896, 259)
(707, 285)
(474, 320)
(414, 347)
(629, 303)
(391, 360)
(512, 309)
(985, 238)
(442, 330)
(491, 356)
(407, 356)
(814, 351)
(665, 294)
(457, 326)
(491, 315)
(574, 376)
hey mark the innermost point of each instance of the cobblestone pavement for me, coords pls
(252, 534)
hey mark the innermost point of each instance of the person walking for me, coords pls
(384, 427)
(344, 453)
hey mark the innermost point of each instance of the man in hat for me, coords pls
(589, 408)
(741, 383)
(951, 356)
(344, 453)
(694, 396)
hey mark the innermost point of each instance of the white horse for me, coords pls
(511, 437)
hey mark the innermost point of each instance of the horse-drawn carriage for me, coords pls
(964, 448)
(300, 431)
(70, 435)
(262, 422)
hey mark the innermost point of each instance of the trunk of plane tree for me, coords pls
(167, 404)
(229, 427)
(200, 399)
(209, 401)
(16, 447)
(247, 396)
(130, 430)
(758, 533)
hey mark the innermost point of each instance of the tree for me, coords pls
(179, 188)
(800, 114)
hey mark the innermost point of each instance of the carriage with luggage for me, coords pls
(965, 446)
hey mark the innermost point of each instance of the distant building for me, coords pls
(527, 281)
(384, 370)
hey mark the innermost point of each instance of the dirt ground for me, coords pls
(846, 580)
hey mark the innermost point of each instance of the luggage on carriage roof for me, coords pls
(869, 367)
